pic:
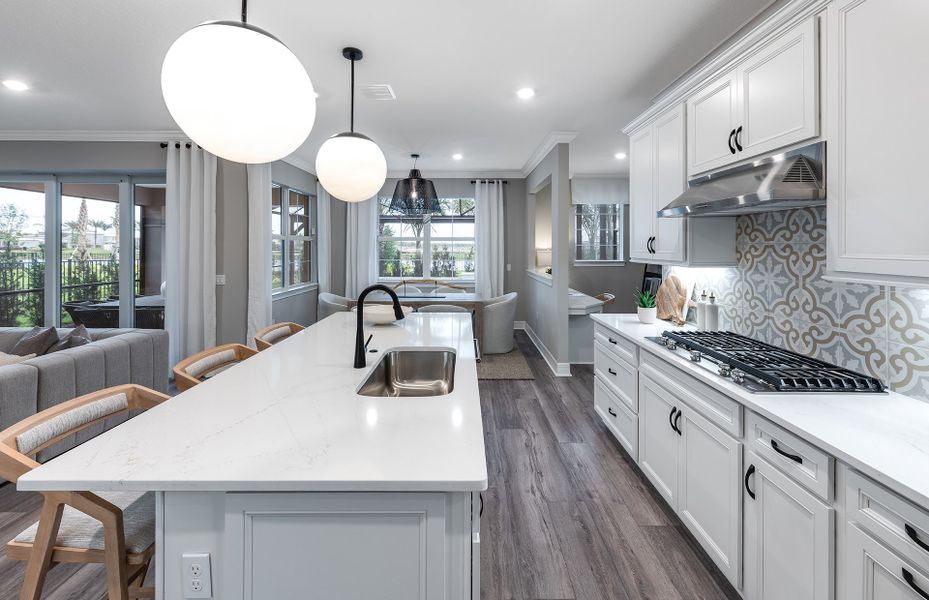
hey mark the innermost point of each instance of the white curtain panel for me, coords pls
(323, 237)
(489, 233)
(259, 250)
(190, 251)
(360, 246)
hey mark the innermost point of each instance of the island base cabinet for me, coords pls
(789, 537)
(387, 545)
(874, 572)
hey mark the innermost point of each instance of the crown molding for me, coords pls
(552, 140)
(725, 56)
(300, 163)
(610, 175)
(75, 135)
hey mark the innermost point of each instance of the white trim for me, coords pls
(91, 136)
(876, 279)
(552, 140)
(544, 278)
(300, 163)
(294, 291)
(432, 174)
(599, 263)
(731, 53)
(559, 369)
(519, 325)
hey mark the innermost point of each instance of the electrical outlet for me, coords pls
(220, 280)
(196, 575)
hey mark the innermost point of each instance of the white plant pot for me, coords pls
(648, 315)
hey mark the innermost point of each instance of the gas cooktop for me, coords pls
(761, 367)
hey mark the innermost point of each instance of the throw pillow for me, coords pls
(36, 341)
(72, 339)
(12, 359)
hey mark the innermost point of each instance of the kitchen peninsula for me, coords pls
(287, 477)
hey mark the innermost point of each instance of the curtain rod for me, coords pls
(503, 181)
(176, 145)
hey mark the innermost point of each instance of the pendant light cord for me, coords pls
(245, 11)
(352, 116)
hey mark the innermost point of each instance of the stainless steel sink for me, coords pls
(413, 372)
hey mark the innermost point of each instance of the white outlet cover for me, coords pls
(197, 575)
(220, 280)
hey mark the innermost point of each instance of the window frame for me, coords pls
(427, 241)
(286, 239)
(620, 243)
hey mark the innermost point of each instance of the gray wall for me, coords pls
(231, 251)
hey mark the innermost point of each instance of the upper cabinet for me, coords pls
(768, 101)
(878, 94)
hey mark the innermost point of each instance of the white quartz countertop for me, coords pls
(884, 436)
(288, 419)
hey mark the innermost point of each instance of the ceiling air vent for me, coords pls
(377, 91)
(800, 172)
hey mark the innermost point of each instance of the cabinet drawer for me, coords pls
(896, 522)
(619, 376)
(873, 572)
(806, 464)
(623, 423)
(625, 349)
(719, 409)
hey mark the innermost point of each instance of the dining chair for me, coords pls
(443, 308)
(329, 304)
(116, 529)
(212, 361)
(605, 297)
(406, 289)
(499, 315)
(272, 334)
(449, 289)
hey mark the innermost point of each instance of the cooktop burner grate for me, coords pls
(775, 368)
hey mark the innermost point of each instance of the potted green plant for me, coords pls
(645, 305)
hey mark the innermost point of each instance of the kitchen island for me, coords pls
(297, 486)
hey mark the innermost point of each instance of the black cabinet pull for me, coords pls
(654, 239)
(731, 147)
(738, 138)
(611, 371)
(677, 419)
(793, 457)
(612, 341)
(748, 474)
(612, 412)
(908, 577)
(671, 418)
(481, 512)
(648, 245)
(910, 531)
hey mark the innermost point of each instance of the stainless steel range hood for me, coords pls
(790, 180)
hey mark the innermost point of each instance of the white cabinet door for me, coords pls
(641, 196)
(670, 182)
(789, 537)
(873, 572)
(658, 441)
(711, 117)
(878, 94)
(710, 490)
(779, 93)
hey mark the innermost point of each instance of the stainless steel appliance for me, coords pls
(763, 368)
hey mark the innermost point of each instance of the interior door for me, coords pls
(710, 492)
(711, 117)
(670, 182)
(658, 441)
(789, 536)
(875, 573)
(641, 193)
(780, 92)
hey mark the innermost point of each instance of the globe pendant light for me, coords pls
(221, 82)
(349, 165)
(414, 196)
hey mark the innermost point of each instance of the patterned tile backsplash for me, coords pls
(778, 294)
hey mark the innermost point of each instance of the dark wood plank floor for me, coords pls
(567, 514)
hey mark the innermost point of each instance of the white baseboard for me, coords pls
(559, 369)
(519, 324)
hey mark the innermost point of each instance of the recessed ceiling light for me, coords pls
(620, 155)
(525, 93)
(15, 85)
(457, 156)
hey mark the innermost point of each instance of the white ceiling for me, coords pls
(94, 65)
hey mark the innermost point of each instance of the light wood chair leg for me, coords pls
(40, 559)
(114, 549)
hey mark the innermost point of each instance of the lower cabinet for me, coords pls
(874, 572)
(789, 537)
(696, 467)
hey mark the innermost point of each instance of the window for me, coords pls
(598, 232)
(438, 245)
(293, 238)
(22, 254)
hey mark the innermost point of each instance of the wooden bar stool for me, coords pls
(212, 361)
(272, 334)
(116, 529)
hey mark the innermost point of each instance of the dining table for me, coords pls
(472, 301)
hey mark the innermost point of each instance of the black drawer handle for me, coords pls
(677, 419)
(481, 512)
(731, 147)
(612, 341)
(611, 371)
(908, 577)
(793, 457)
(910, 531)
(738, 138)
(748, 474)
(671, 418)
(610, 410)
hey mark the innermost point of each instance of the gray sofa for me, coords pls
(116, 356)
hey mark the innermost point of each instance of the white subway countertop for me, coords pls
(289, 419)
(884, 436)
